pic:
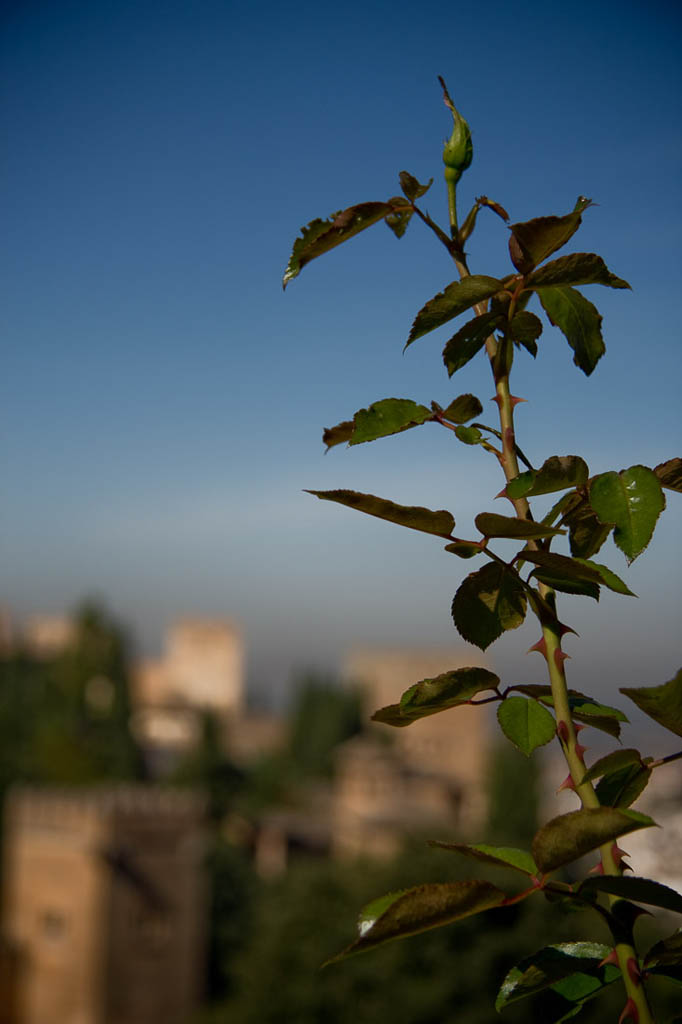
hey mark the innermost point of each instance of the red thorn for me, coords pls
(633, 971)
(580, 751)
(568, 783)
(497, 399)
(563, 630)
(540, 647)
(515, 401)
(578, 728)
(503, 493)
(617, 853)
(630, 1013)
(562, 731)
(612, 958)
(598, 869)
(560, 657)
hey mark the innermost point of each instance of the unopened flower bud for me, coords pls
(458, 151)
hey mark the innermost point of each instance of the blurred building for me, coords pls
(393, 782)
(104, 904)
(46, 636)
(201, 669)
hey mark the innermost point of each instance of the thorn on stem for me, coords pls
(630, 1013)
(580, 751)
(563, 630)
(562, 732)
(634, 971)
(515, 401)
(568, 783)
(618, 854)
(540, 646)
(612, 958)
(598, 869)
(560, 657)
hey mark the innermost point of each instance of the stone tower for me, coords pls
(104, 897)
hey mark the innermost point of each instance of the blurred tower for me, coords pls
(104, 899)
(205, 665)
(202, 669)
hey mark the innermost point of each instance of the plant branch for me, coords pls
(555, 657)
(665, 760)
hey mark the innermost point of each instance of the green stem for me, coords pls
(555, 657)
(551, 632)
(452, 208)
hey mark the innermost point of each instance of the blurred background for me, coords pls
(191, 646)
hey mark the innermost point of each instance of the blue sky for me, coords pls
(162, 399)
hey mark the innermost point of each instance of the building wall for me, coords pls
(104, 897)
(202, 666)
(205, 664)
(453, 742)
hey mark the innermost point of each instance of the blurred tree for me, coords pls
(512, 822)
(309, 915)
(208, 767)
(66, 719)
(323, 715)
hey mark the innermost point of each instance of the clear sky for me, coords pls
(163, 400)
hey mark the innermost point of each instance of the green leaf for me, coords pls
(608, 578)
(577, 569)
(622, 787)
(637, 890)
(502, 856)
(412, 188)
(632, 500)
(487, 603)
(469, 340)
(525, 328)
(526, 723)
(398, 220)
(533, 241)
(586, 533)
(578, 320)
(468, 435)
(579, 961)
(389, 416)
(463, 409)
(429, 696)
(583, 708)
(556, 474)
(339, 434)
(670, 474)
(606, 723)
(567, 584)
(417, 518)
(464, 548)
(493, 525)
(453, 300)
(662, 703)
(322, 235)
(570, 836)
(667, 951)
(400, 914)
(561, 564)
(578, 268)
(611, 763)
